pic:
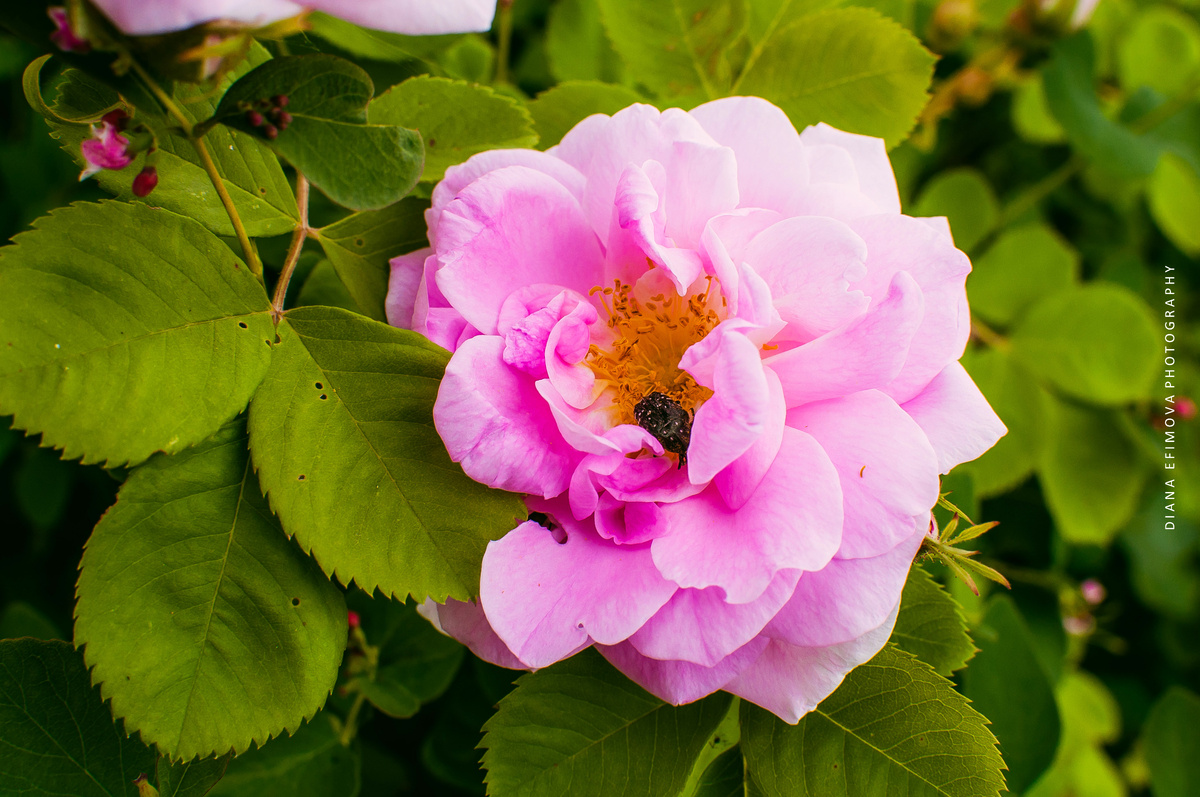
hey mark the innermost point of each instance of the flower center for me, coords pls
(648, 340)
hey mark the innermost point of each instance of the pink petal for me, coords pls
(139, 18)
(739, 481)
(790, 681)
(679, 682)
(493, 421)
(629, 523)
(846, 599)
(698, 626)
(405, 282)
(872, 168)
(493, 239)
(566, 347)
(545, 599)
(888, 469)
(770, 158)
(641, 214)
(735, 416)
(900, 243)
(412, 17)
(724, 241)
(792, 521)
(865, 353)
(809, 262)
(467, 623)
(957, 419)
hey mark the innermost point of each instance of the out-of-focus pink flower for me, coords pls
(1093, 591)
(64, 35)
(413, 17)
(107, 148)
(723, 368)
(1080, 12)
(1185, 407)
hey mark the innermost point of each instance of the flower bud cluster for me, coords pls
(269, 114)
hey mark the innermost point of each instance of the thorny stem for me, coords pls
(206, 160)
(504, 33)
(293, 255)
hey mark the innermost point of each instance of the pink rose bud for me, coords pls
(145, 181)
(107, 148)
(1185, 407)
(255, 118)
(354, 620)
(271, 132)
(117, 117)
(284, 119)
(1079, 625)
(64, 35)
(1093, 591)
(279, 100)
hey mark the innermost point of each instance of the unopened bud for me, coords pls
(284, 119)
(974, 85)
(279, 100)
(1093, 591)
(117, 117)
(1185, 407)
(145, 181)
(271, 132)
(353, 619)
(143, 786)
(255, 118)
(953, 21)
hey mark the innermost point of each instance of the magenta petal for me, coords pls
(792, 521)
(846, 599)
(887, 468)
(545, 599)
(866, 353)
(790, 681)
(957, 419)
(679, 682)
(900, 243)
(809, 262)
(493, 421)
(698, 626)
(739, 481)
(871, 165)
(493, 239)
(735, 416)
(405, 281)
(467, 623)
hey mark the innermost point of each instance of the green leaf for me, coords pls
(324, 287)
(1090, 719)
(724, 738)
(1023, 405)
(22, 619)
(131, 330)
(1091, 474)
(378, 45)
(1023, 265)
(768, 16)
(894, 726)
(1162, 563)
(42, 485)
(965, 198)
(582, 728)
(251, 172)
(57, 736)
(931, 625)
(850, 67)
(31, 82)
(677, 48)
(455, 119)
(361, 245)
(1097, 342)
(1174, 193)
(1171, 738)
(361, 166)
(205, 626)
(577, 46)
(191, 779)
(342, 435)
(1007, 666)
(557, 110)
(1069, 80)
(726, 777)
(311, 762)
(1031, 116)
(1161, 50)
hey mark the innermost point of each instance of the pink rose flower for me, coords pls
(64, 35)
(107, 148)
(412, 17)
(724, 369)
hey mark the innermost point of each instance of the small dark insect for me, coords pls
(663, 417)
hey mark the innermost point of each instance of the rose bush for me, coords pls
(723, 367)
(412, 17)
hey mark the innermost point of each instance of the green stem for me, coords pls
(206, 161)
(350, 726)
(504, 26)
(991, 337)
(297, 244)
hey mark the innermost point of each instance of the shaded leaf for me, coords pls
(57, 736)
(1160, 50)
(206, 627)
(850, 68)
(311, 762)
(894, 726)
(135, 331)
(342, 435)
(1171, 738)
(966, 199)
(580, 727)
(191, 779)
(557, 110)
(21, 619)
(1023, 265)
(361, 245)
(1174, 194)
(577, 46)
(931, 625)
(455, 119)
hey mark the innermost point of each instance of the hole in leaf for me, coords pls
(301, 477)
(318, 386)
(262, 191)
(295, 601)
(323, 397)
(359, 242)
(432, 142)
(243, 325)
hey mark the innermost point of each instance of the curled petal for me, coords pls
(466, 622)
(872, 172)
(407, 278)
(739, 481)
(956, 418)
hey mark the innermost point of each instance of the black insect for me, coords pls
(663, 417)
